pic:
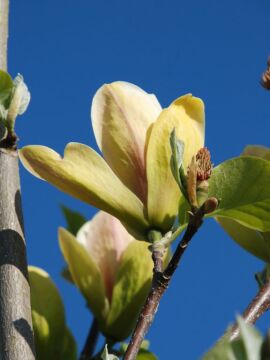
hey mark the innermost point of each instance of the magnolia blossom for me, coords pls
(112, 271)
(133, 179)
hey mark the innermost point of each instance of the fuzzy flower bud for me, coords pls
(199, 171)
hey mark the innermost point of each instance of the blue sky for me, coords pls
(215, 50)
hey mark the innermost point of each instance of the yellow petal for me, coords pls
(105, 239)
(121, 115)
(83, 174)
(186, 115)
(85, 274)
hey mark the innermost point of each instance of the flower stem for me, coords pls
(160, 282)
(91, 341)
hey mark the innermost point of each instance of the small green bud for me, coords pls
(19, 101)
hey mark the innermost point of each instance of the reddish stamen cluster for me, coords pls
(204, 165)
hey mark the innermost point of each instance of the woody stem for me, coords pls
(160, 282)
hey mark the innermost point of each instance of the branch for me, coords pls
(90, 344)
(16, 335)
(258, 306)
(160, 283)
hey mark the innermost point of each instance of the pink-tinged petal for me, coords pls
(105, 239)
(122, 115)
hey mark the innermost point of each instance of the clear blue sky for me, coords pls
(214, 49)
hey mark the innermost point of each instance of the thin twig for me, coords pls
(258, 306)
(160, 282)
(91, 341)
(16, 334)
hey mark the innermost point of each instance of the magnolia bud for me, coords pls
(210, 205)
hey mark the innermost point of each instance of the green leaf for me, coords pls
(74, 219)
(133, 282)
(255, 242)
(246, 347)
(251, 340)
(48, 317)
(106, 356)
(177, 147)
(146, 355)
(6, 88)
(69, 347)
(243, 188)
(85, 274)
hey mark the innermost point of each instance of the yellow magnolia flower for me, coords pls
(133, 181)
(112, 271)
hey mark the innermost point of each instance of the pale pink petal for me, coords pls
(122, 115)
(105, 239)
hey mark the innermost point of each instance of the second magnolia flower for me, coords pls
(134, 181)
(112, 271)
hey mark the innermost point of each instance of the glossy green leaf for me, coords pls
(48, 317)
(255, 242)
(177, 147)
(246, 347)
(144, 347)
(251, 339)
(85, 274)
(132, 285)
(242, 187)
(74, 219)
(146, 355)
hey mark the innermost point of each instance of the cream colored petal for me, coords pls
(186, 115)
(122, 113)
(105, 239)
(83, 174)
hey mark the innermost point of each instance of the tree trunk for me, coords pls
(16, 334)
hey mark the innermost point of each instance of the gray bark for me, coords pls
(16, 335)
